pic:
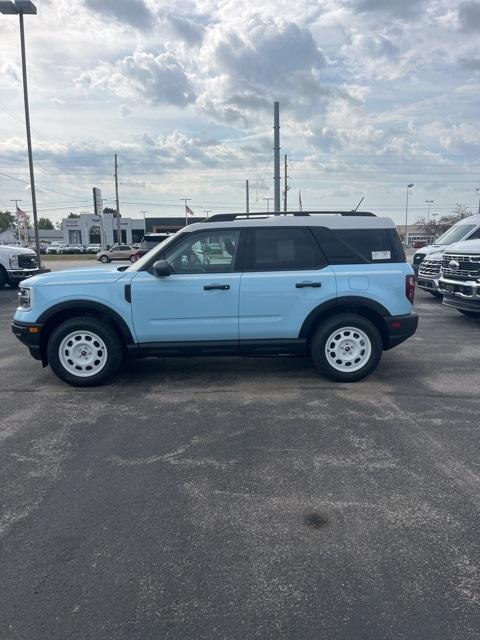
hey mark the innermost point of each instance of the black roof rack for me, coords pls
(227, 217)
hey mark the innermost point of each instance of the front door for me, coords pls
(285, 279)
(198, 301)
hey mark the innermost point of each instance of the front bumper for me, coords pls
(29, 334)
(460, 294)
(428, 283)
(17, 275)
(399, 329)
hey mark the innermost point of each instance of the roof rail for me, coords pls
(228, 217)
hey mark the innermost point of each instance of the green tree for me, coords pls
(109, 210)
(7, 220)
(73, 215)
(45, 223)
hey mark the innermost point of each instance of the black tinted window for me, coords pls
(360, 246)
(281, 250)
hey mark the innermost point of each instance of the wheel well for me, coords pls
(73, 312)
(362, 310)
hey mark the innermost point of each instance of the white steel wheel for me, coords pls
(348, 349)
(83, 353)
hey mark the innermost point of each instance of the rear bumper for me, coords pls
(31, 339)
(399, 329)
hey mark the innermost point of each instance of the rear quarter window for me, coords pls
(360, 246)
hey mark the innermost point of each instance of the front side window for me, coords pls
(281, 250)
(206, 252)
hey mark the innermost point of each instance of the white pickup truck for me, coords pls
(16, 264)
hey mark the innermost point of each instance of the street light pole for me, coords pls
(268, 203)
(21, 7)
(409, 186)
(429, 202)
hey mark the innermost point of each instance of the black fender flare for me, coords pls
(342, 301)
(86, 305)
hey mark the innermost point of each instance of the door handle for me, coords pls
(222, 287)
(302, 285)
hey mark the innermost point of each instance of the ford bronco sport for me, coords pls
(331, 285)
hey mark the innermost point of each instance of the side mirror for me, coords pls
(162, 268)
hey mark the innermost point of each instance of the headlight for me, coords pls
(25, 298)
(13, 258)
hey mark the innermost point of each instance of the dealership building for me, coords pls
(89, 228)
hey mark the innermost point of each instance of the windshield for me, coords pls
(140, 263)
(456, 233)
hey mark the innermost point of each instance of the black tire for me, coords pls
(436, 294)
(3, 277)
(323, 333)
(105, 332)
(133, 259)
(470, 314)
(104, 259)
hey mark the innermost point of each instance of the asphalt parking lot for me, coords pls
(238, 499)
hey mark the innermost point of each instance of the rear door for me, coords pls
(285, 278)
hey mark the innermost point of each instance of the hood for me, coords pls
(465, 246)
(435, 255)
(17, 250)
(82, 275)
(430, 248)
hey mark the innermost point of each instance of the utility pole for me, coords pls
(119, 225)
(206, 212)
(286, 186)
(144, 221)
(276, 156)
(409, 186)
(268, 203)
(185, 200)
(247, 197)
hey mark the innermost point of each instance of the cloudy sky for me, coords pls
(373, 94)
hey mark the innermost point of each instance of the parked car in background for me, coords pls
(93, 248)
(466, 229)
(460, 277)
(117, 252)
(332, 286)
(54, 248)
(149, 242)
(73, 249)
(429, 273)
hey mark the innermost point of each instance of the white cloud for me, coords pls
(156, 78)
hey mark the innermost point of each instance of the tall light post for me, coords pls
(144, 213)
(21, 8)
(268, 203)
(429, 202)
(409, 186)
(478, 194)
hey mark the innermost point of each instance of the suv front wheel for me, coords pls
(84, 351)
(346, 347)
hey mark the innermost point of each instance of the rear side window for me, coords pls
(281, 250)
(360, 246)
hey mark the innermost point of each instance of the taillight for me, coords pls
(410, 288)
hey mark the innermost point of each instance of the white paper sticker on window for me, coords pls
(381, 255)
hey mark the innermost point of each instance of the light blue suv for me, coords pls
(334, 286)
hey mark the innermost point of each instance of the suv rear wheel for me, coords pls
(104, 259)
(3, 277)
(346, 347)
(84, 351)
